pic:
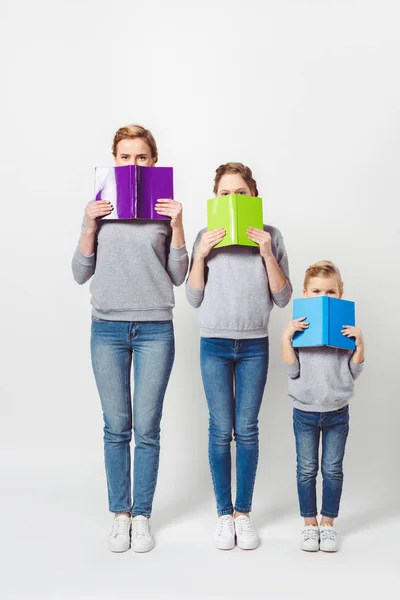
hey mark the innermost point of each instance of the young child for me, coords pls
(321, 383)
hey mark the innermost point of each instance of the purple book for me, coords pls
(134, 191)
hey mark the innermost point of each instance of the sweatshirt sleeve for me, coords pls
(177, 264)
(83, 267)
(195, 297)
(292, 370)
(282, 297)
(356, 369)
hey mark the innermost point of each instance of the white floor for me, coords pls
(54, 547)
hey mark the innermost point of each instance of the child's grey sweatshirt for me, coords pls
(134, 269)
(322, 378)
(236, 300)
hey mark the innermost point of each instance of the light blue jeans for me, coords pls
(113, 345)
(234, 374)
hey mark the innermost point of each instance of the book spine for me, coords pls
(325, 320)
(135, 182)
(234, 219)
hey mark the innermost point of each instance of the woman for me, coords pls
(134, 265)
(236, 288)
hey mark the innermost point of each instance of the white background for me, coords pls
(307, 93)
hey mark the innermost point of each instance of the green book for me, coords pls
(235, 213)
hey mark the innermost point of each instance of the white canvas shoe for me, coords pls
(310, 538)
(120, 539)
(328, 538)
(142, 540)
(225, 533)
(246, 537)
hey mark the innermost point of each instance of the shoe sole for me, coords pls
(118, 550)
(247, 547)
(142, 550)
(326, 550)
(309, 549)
(221, 546)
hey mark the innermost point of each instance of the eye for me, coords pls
(142, 157)
(124, 156)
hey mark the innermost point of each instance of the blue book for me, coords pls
(326, 317)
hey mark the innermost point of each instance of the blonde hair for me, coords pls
(323, 268)
(131, 132)
(241, 169)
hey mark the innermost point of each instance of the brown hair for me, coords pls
(131, 132)
(241, 169)
(323, 268)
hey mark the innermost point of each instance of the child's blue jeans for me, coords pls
(333, 428)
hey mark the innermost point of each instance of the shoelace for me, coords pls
(244, 525)
(121, 527)
(225, 524)
(310, 534)
(327, 533)
(141, 527)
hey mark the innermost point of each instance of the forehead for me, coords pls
(231, 181)
(133, 146)
(328, 282)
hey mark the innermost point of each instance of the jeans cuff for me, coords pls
(120, 512)
(239, 509)
(141, 513)
(226, 511)
(324, 513)
(308, 515)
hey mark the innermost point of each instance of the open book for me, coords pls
(134, 191)
(326, 317)
(235, 213)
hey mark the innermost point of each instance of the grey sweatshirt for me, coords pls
(236, 300)
(133, 269)
(322, 378)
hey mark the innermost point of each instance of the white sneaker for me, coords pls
(328, 537)
(225, 533)
(310, 538)
(120, 539)
(246, 537)
(142, 540)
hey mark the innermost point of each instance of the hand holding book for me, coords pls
(353, 332)
(94, 211)
(263, 239)
(293, 326)
(172, 209)
(209, 239)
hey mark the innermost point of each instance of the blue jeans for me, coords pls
(234, 374)
(113, 344)
(333, 427)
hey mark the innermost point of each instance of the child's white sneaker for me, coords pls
(142, 540)
(310, 538)
(246, 537)
(328, 538)
(225, 533)
(120, 539)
